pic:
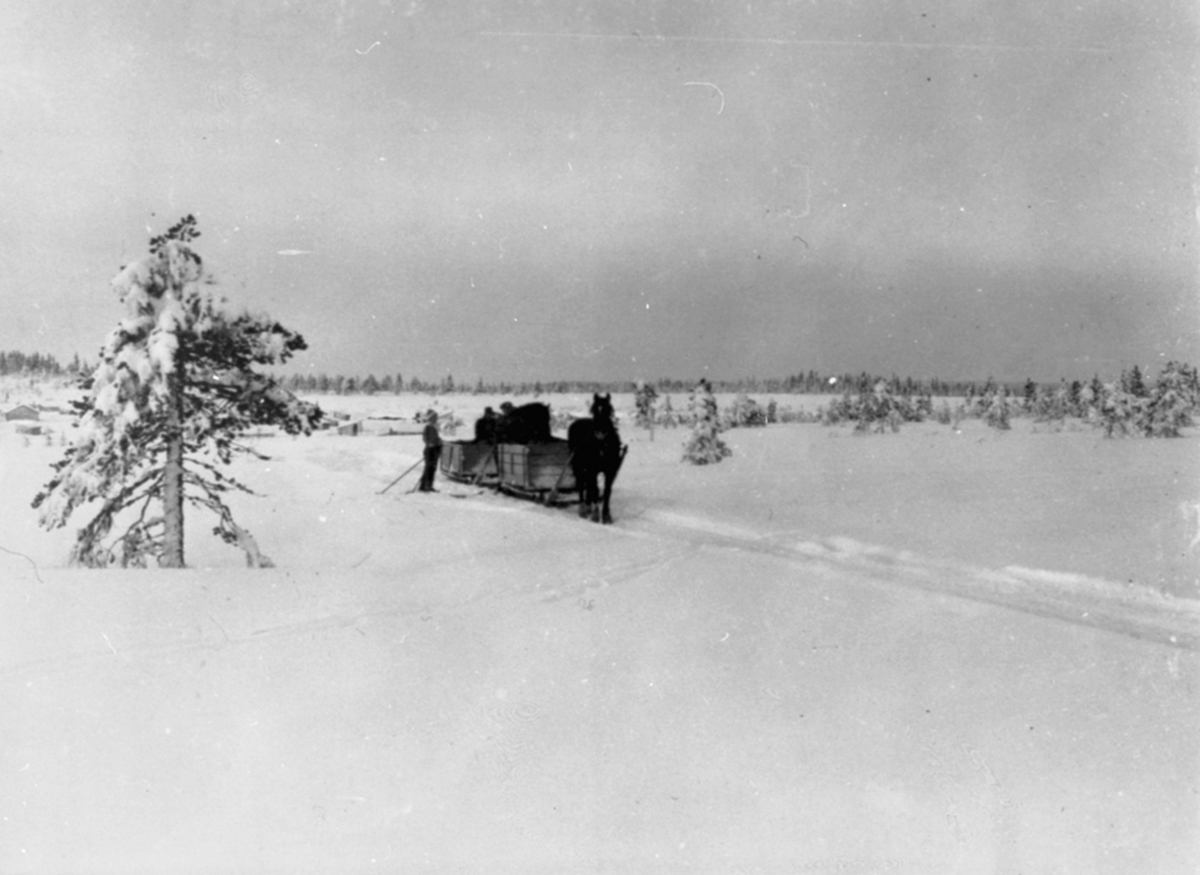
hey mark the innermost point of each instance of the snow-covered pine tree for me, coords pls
(704, 445)
(1134, 383)
(1117, 410)
(644, 400)
(840, 409)
(667, 414)
(1053, 404)
(1097, 394)
(996, 408)
(1031, 392)
(877, 411)
(175, 388)
(1167, 406)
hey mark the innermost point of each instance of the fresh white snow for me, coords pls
(936, 651)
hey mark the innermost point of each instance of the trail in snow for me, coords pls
(1074, 598)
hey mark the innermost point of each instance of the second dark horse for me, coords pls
(595, 450)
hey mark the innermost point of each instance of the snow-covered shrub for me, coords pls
(922, 407)
(745, 412)
(1052, 405)
(874, 411)
(787, 415)
(644, 398)
(175, 388)
(912, 409)
(1161, 410)
(666, 416)
(1169, 403)
(996, 409)
(978, 405)
(840, 409)
(878, 411)
(1133, 383)
(704, 445)
(1117, 412)
(1088, 402)
(1029, 395)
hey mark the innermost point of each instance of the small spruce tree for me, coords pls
(667, 414)
(704, 445)
(1097, 388)
(996, 409)
(176, 386)
(1134, 383)
(644, 400)
(877, 411)
(1117, 410)
(1168, 404)
(1053, 404)
(1030, 394)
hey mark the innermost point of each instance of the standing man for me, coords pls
(433, 450)
(485, 427)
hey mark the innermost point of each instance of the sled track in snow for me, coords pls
(1073, 598)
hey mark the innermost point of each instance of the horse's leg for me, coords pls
(587, 491)
(605, 514)
(595, 497)
(580, 475)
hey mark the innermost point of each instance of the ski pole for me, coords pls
(401, 477)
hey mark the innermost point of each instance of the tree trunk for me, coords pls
(172, 555)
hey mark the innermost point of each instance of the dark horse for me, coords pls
(527, 424)
(595, 449)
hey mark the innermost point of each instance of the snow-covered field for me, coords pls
(934, 651)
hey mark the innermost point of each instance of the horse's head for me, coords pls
(602, 407)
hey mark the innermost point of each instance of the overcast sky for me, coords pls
(609, 190)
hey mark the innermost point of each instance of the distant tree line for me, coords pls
(1128, 405)
(803, 383)
(811, 382)
(338, 384)
(35, 364)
